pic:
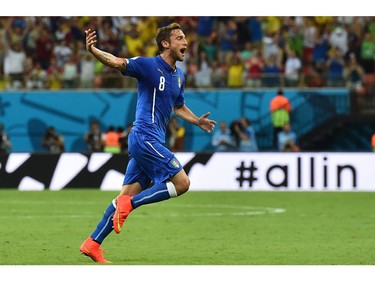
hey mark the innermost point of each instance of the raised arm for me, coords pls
(202, 122)
(104, 57)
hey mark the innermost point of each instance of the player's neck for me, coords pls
(167, 57)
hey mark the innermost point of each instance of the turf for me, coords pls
(198, 228)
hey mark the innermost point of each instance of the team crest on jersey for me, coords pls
(175, 163)
(179, 81)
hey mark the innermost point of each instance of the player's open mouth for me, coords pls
(183, 50)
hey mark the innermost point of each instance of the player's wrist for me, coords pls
(199, 121)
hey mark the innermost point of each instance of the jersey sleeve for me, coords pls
(135, 67)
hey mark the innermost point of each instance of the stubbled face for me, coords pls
(178, 45)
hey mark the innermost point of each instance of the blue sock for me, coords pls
(105, 226)
(156, 193)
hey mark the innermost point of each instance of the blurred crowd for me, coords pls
(235, 52)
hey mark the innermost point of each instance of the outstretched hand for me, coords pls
(206, 124)
(91, 39)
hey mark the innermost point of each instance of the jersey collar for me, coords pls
(166, 66)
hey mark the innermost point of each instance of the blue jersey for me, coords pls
(160, 88)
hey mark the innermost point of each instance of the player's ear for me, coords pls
(165, 44)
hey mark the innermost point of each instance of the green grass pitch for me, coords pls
(198, 228)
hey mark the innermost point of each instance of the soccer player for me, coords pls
(153, 173)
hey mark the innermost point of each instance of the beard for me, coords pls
(176, 55)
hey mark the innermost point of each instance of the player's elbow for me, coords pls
(183, 186)
(119, 64)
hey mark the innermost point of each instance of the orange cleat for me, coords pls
(123, 209)
(92, 249)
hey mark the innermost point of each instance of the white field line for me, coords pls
(201, 211)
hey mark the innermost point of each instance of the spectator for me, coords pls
(373, 142)
(191, 70)
(256, 31)
(124, 137)
(235, 72)
(16, 29)
(280, 109)
(194, 47)
(218, 75)
(204, 28)
(94, 138)
(110, 78)
(219, 37)
(247, 52)
(245, 135)
(32, 36)
(355, 37)
(243, 34)
(272, 24)
(15, 65)
(309, 35)
(320, 51)
(295, 38)
(190, 23)
(227, 33)
(133, 42)
(253, 69)
(203, 75)
(108, 36)
(287, 140)
(271, 73)
(62, 52)
(354, 74)
(87, 71)
(222, 140)
(5, 144)
(70, 73)
(54, 74)
(99, 73)
(335, 68)
(310, 77)
(339, 39)
(112, 141)
(36, 78)
(147, 27)
(3, 80)
(119, 132)
(53, 141)
(293, 67)
(150, 49)
(371, 25)
(210, 46)
(44, 47)
(270, 47)
(175, 135)
(367, 53)
(63, 30)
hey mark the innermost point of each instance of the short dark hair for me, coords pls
(164, 34)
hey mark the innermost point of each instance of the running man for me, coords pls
(153, 173)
